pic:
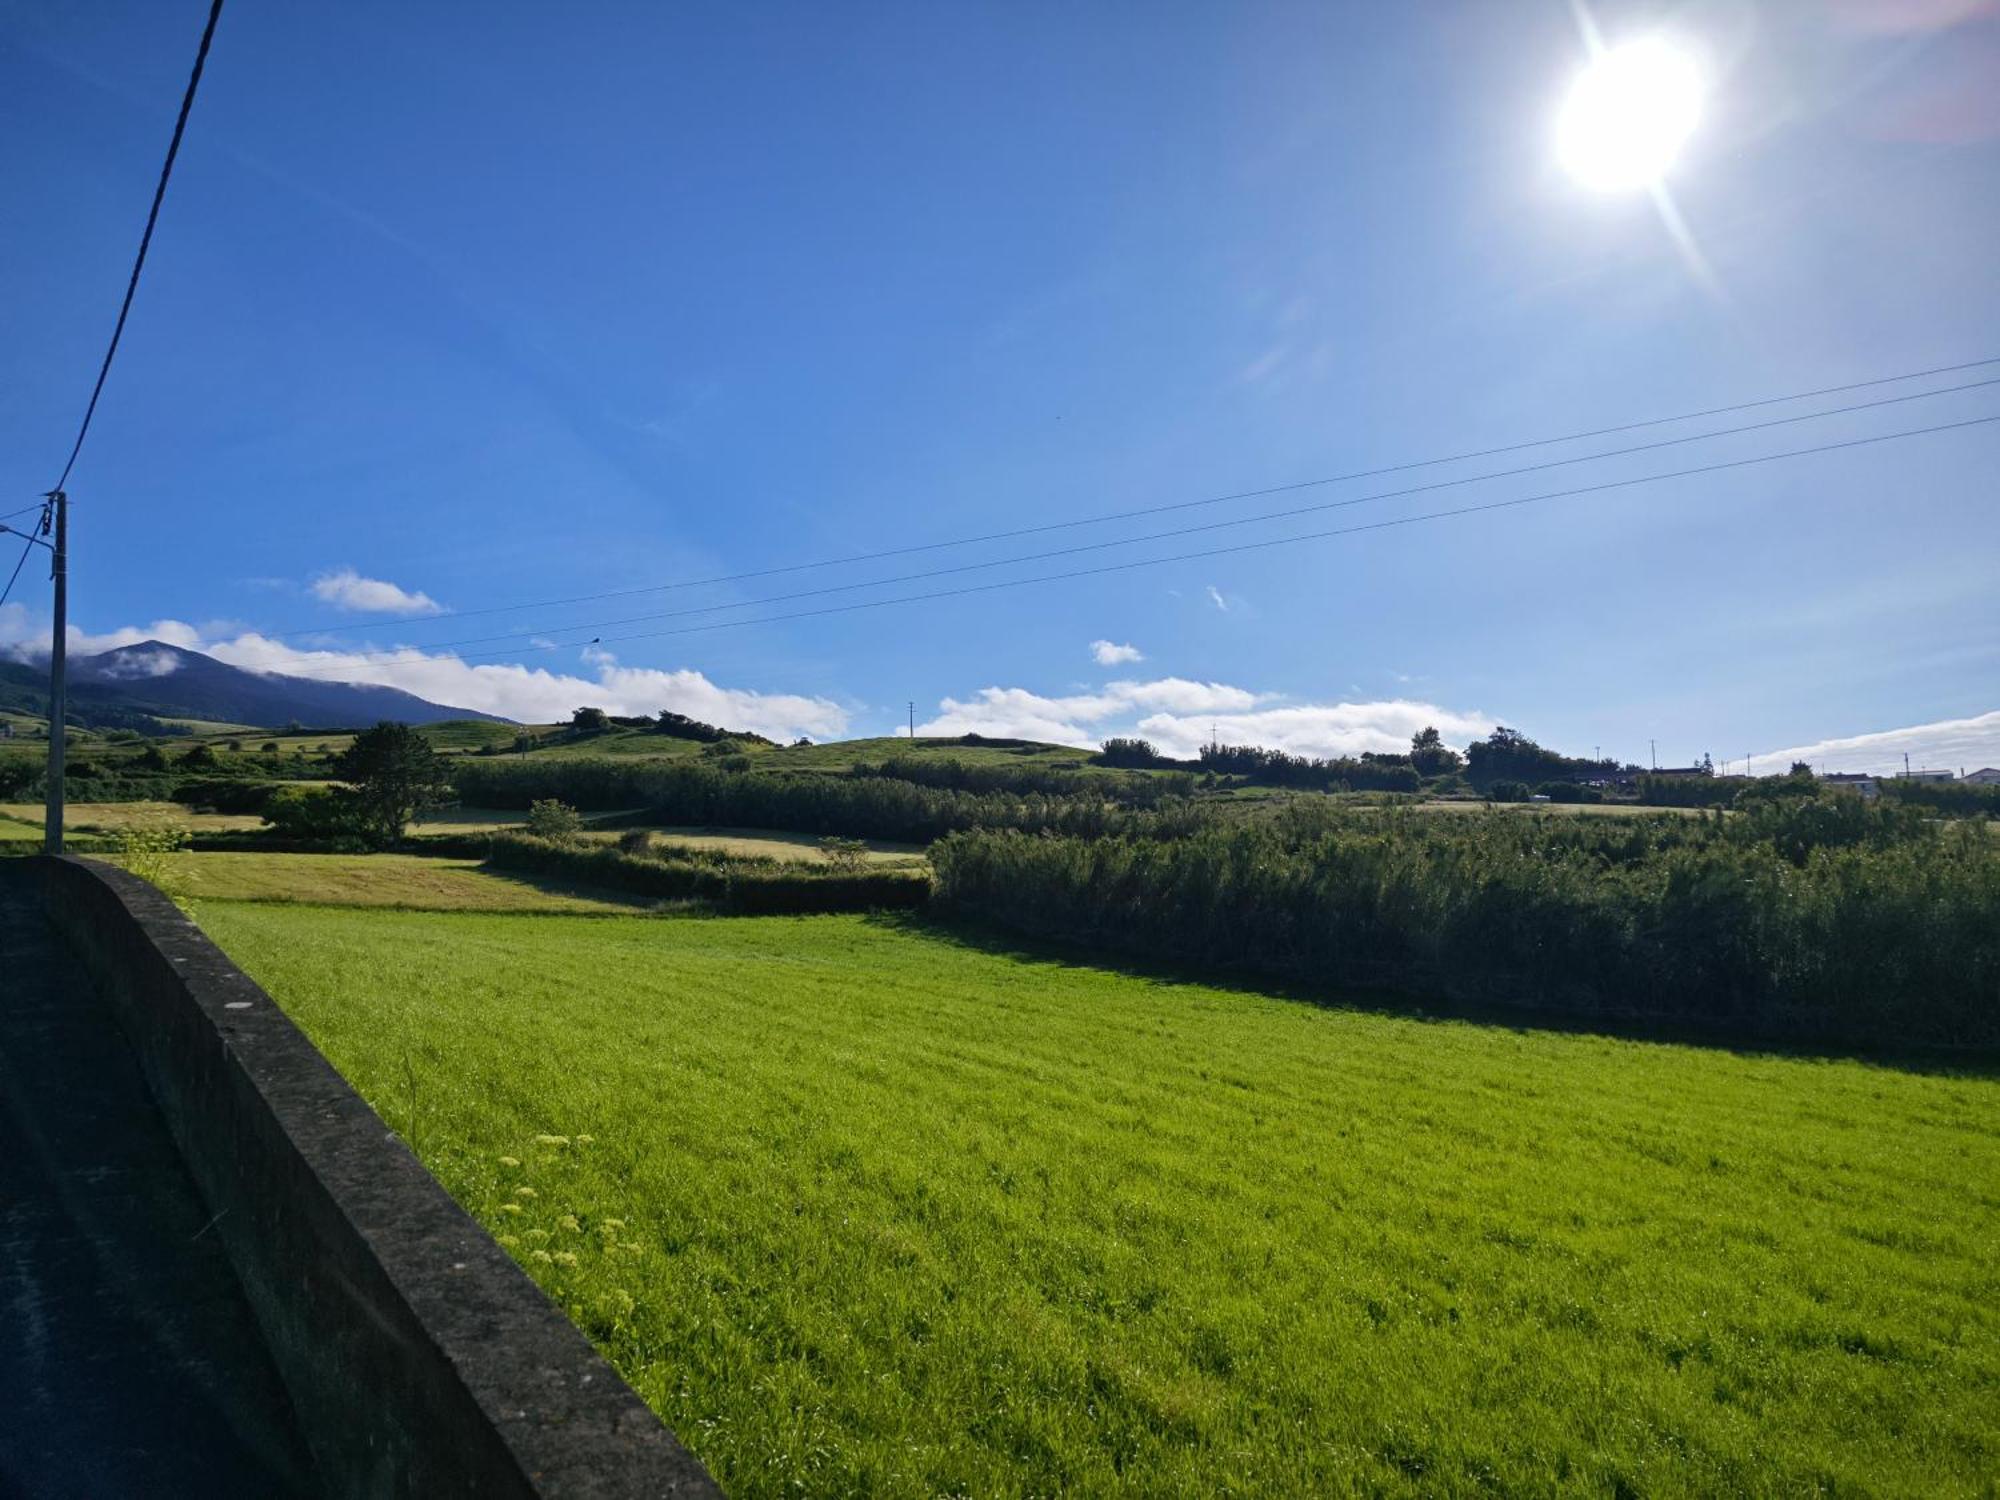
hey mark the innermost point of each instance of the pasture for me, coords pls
(412, 882)
(116, 817)
(861, 1208)
(764, 843)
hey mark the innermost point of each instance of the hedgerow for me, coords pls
(1827, 917)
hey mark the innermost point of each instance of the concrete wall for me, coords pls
(420, 1359)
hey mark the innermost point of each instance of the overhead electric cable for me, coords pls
(146, 239)
(1154, 510)
(417, 654)
(19, 562)
(1206, 526)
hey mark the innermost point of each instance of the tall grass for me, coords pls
(1826, 918)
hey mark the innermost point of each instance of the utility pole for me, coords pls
(52, 827)
(1653, 747)
(913, 718)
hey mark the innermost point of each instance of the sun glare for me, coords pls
(1628, 115)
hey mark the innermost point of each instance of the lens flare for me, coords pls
(1628, 114)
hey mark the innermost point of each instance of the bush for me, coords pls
(1508, 791)
(317, 813)
(554, 820)
(1134, 754)
(849, 856)
(1568, 791)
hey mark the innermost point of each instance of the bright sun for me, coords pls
(1628, 115)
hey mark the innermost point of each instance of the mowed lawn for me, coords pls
(864, 1211)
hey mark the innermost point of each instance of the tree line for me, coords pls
(1816, 916)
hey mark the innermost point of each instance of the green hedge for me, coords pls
(856, 806)
(1830, 919)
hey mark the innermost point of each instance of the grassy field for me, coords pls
(113, 817)
(385, 880)
(760, 843)
(864, 1210)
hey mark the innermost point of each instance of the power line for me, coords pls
(28, 540)
(1152, 562)
(146, 239)
(1207, 526)
(26, 548)
(1154, 510)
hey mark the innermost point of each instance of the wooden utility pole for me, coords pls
(52, 827)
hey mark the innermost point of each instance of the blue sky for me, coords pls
(501, 304)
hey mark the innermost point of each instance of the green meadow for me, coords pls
(863, 1209)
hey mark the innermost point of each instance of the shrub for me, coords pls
(227, 796)
(636, 841)
(152, 852)
(554, 820)
(317, 813)
(848, 856)
(1508, 791)
(1134, 753)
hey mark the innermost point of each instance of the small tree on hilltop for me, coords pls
(395, 775)
(590, 720)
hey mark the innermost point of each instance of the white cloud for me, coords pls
(1319, 729)
(137, 664)
(1948, 744)
(346, 589)
(1215, 598)
(1110, 654)
(1176, 714)
(532, 695)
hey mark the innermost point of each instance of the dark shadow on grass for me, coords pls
(990, 938)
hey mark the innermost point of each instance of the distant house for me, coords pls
(1852, 781)
(1682, 771)
(1925, 776)
(1984, 776)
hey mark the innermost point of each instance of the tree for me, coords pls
(554, 820)
(848, 856)
(1431, 755)
(590, 720)
(395, 775)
